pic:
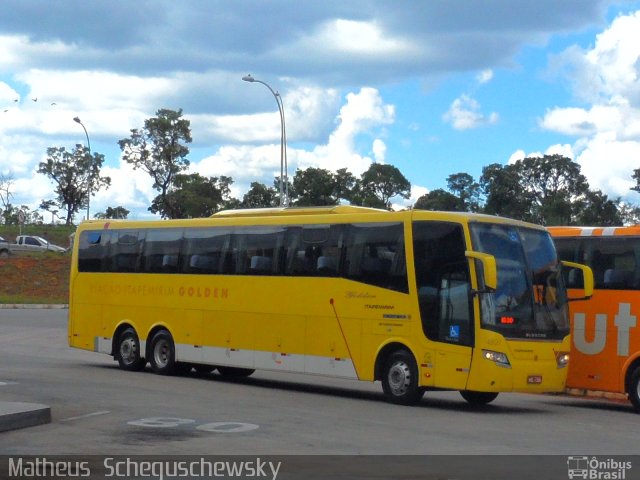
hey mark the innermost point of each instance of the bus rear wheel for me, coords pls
(128, 351)
(400, 379)
(478, 398)
(633, 389)
(163, 354)
(235, 372)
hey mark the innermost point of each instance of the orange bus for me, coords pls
(605, 346)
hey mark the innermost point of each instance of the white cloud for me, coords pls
(363, 115)
(464, 113)
(607, 132)
(484, 76)
(355, 37)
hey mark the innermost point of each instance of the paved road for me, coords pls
(97, 408)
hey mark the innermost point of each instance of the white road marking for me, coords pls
(227, 427)
(88, 415)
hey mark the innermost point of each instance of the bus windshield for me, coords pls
(530, 298)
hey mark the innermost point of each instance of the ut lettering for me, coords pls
(623, 322)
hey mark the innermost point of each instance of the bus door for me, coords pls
(445, 300)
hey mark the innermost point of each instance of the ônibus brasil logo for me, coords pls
(593, 468)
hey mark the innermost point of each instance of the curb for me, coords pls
(16, 415)
(8, 306)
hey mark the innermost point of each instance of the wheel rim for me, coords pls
(399, 378)
(129, 350)
(161, 353)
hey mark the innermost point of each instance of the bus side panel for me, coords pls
(84, 326)
(605, 333)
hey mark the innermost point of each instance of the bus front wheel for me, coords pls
(163, 354)
(400, 379)
(633, 389)
(128, 351)
(478, 398)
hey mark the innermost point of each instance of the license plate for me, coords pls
(534, 379)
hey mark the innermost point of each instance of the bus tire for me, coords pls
(128, 351)
(478, 398)
(633, 389)
(400, 379)
(163, 354)
(235, 372)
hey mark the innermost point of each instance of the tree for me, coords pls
(503, 194)
(379, 184)
(75, 174)
(6, 182)
(159, 149)
(260, 196)
(118, 212)
(466, 189)
(344, 183)
(193, 196)
(314, 187)
(50, 206)
(555, 185)
(440, 199)
(598, 209)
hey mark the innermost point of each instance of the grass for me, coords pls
(38, 278)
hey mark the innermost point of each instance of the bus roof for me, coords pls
(265, 216)
(283, 211)
(631, 230)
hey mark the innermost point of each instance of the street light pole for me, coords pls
(77, 120)
(284, 179)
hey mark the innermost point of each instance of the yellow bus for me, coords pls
(417, 300)
(605, 351)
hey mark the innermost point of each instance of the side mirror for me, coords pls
(489, 268)
(587, 277)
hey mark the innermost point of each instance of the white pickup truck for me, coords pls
(33, 244)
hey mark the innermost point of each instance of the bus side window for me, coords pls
(125, 250)
(376, 255)
(203, 250)
(161, 250)
(93, 250)
(613, 261)
(259, 250)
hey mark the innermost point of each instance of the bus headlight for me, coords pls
(562, 359)
(498, 358)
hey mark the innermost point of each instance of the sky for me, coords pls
(432, 87)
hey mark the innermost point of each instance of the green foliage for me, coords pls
(466, 189)
(118, 212)
(76, 175)
(260, 196)
(314, 187)
(193, 196)
(159, 149)
(441, 200)
(379, 184)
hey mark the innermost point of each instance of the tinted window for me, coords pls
(442, 278)
(161, 250)
(614, 260)
(204, 250)
(125, 246)
(259, 250)
(92, 250)
(376, 255)
(315, 250)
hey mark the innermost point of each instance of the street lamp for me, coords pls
(77, 120)
(284, 179)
